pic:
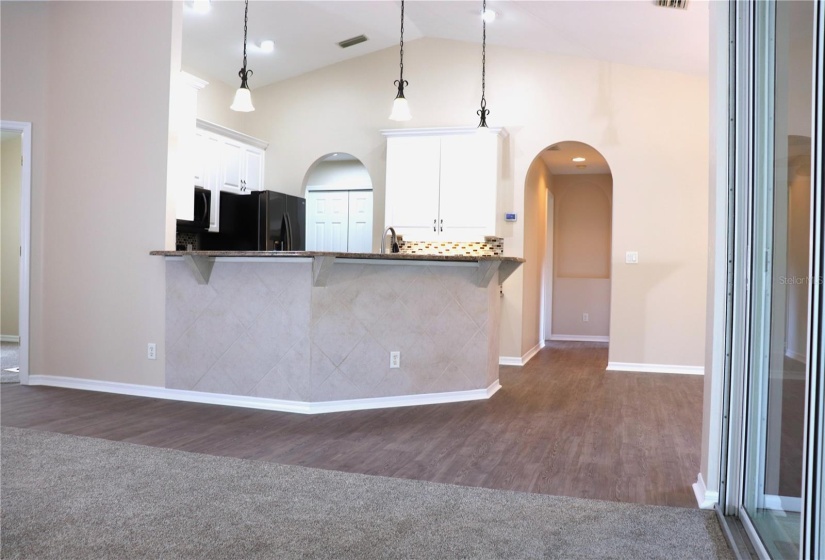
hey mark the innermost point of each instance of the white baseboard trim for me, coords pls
(783, 503)
(516, 361)
(704, 497)
(796, 356)
(655, 368)
(579, 338)
(9, 338)
(300, 407)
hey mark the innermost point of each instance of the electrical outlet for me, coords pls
(586, 317)
(395, 360)
(631, 257)
(152, 351)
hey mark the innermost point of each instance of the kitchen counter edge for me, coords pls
(382, 256)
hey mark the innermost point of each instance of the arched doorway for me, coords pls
(338, 191)
(577, 261)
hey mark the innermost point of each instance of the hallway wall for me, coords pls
(583, 232)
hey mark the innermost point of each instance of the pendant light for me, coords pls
(243, 99)
(483, 112)
(400, 107)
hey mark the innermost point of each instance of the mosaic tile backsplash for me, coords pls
(184, 240)
(491, 246)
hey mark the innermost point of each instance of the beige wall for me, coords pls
(94, 80)
(341, 175)
(24, 30)
(214, 101)
(536, 185)
(631, 115)
(581, 254)
(10, 153)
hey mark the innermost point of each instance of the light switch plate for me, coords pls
(631, 257)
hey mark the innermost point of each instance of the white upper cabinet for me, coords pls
(228, 161)
(442, 184)
(232, 179)
(412, 186)
(253, 166)
(184, 99)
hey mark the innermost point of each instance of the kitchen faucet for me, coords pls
(393, 241)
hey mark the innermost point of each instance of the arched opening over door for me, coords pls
(338, 191)
(577, 246)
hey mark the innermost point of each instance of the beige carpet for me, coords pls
(74, 497)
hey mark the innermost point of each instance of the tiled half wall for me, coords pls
(262, 329)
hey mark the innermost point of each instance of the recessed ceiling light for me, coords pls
(488, 16)
(268, 46)
(578, 159)
(201, 6)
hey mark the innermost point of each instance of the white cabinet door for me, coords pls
(224, 163)
(233, 156)
(198, 161)
(467, 197)
(360, 222)
(327, 221)
(211, 150)
(253, 168)
(412, 186)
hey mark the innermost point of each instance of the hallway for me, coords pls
(560, 425)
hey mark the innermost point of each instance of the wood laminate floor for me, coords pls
(561, 425)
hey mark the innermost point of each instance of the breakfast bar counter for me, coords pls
(315, 331)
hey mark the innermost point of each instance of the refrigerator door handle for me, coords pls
(288, 235)
(205, 209)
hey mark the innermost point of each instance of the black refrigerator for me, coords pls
(259, 221)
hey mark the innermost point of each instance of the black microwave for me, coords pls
(203, 205)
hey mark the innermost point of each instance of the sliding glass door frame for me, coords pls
(813, 485)
(751, 41)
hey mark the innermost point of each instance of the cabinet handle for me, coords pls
(434, 221)
(441, 227)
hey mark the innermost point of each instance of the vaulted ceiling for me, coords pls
(306, 33)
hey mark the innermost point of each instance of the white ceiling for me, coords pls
(559, 159)
(306, 33)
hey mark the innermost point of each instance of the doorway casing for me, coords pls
(25, 130)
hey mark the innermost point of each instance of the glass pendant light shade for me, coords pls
(242, 101)
(400, 109)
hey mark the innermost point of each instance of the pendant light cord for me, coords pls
(402, 82)
(483, 54)
(244, 73)
(245, 22)
(483, 112)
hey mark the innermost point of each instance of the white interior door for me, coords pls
(360, 222)
(327, 221)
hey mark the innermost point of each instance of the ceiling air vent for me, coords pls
(672, 3)
(346, 43)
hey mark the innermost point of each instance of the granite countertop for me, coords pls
(384, 256)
